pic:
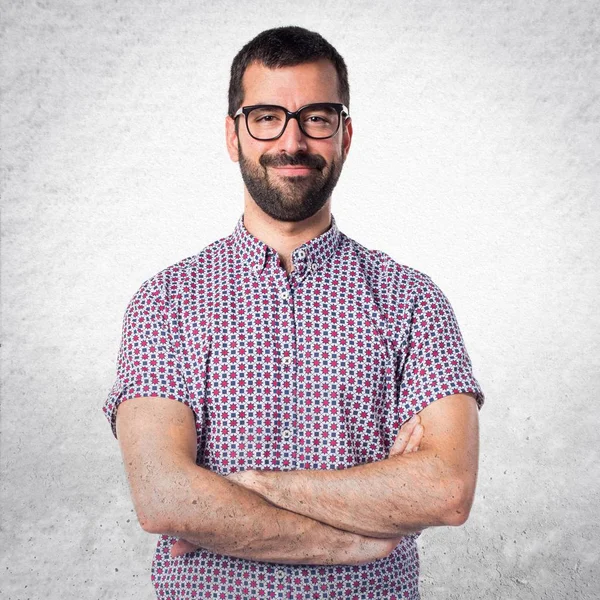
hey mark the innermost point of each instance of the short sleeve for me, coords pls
(436, 363)
(147, 363)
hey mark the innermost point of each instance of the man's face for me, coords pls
(290, 178)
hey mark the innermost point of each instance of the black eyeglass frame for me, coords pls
(341, 109)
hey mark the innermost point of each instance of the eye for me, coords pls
(264, 116)
(319, 116)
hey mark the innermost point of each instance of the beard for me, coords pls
(296, 197)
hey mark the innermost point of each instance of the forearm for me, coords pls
(219, 515)
(403, 494)
(398, 496)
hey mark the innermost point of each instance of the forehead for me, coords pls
(291, 87)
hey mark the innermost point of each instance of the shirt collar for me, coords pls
(311, 255)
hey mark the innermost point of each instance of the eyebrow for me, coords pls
(305, 104)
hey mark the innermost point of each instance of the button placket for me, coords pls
(287, 381)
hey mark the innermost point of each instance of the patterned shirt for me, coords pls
(315, 369)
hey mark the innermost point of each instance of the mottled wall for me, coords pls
(475, 159)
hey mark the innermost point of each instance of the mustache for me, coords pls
(313, 161)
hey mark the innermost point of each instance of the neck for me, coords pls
(285, 236)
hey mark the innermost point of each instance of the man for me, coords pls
(294, 355)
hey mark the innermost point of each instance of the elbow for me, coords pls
(458, 503)
(169, 514)
(150, 524)
(457, 516)
(169, 506)
(149, 519)
(153, 514)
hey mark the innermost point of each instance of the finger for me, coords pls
(181, 547)
(415, 439)
(401, 440)
(404, 435)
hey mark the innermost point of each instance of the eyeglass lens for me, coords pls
(267, 122)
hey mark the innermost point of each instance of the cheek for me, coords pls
(336, 155)
(335, 150)
(253, 149)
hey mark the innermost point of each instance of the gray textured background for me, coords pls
(475, 160)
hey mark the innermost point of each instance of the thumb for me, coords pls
(181, 547)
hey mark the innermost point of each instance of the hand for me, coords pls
(248, 479)
(409, 437)
(181, 547)
(364, 549)
(368, 549)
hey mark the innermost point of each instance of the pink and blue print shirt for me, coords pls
(315, 369)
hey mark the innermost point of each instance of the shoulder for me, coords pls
(388, 274)
(406, 297)
(187, 276)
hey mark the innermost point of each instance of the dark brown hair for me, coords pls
(284, 47)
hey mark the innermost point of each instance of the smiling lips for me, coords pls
(293, 170)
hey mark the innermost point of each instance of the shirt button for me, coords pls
(284, 295)
(287, 434)
(280, 574)
(286, 360)
(301, 254)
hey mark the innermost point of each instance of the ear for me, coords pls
(231, 138)
(346, 137)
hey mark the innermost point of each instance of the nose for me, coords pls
(292, 140)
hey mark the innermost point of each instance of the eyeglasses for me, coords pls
(267, 122)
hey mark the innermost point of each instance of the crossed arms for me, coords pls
(349, 516)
